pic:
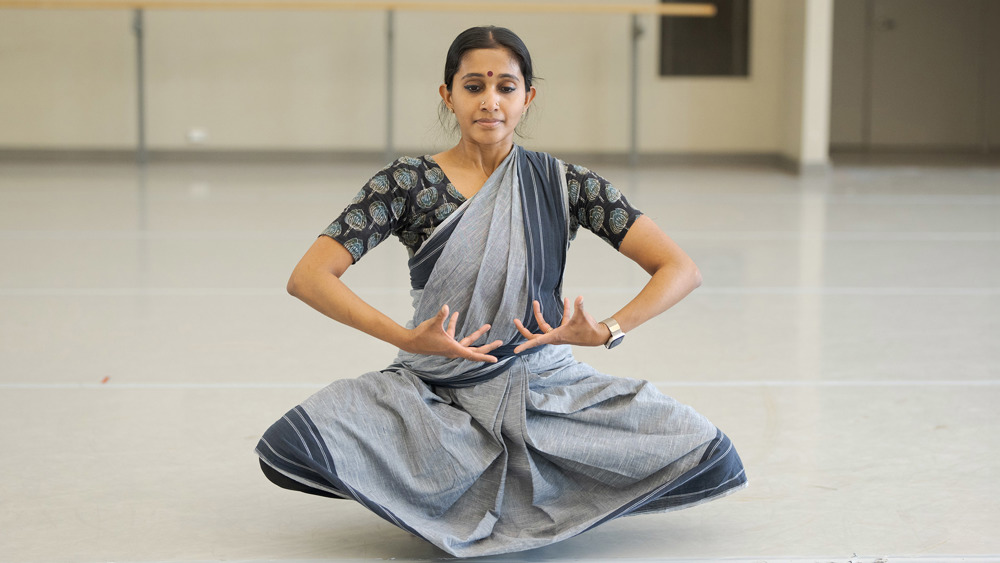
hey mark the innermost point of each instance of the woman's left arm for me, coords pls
(673, 275)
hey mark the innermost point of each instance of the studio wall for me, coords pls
(315, 81)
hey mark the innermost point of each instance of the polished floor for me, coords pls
(846, 338)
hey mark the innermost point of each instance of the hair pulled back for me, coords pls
(487, 37)
(484, 37)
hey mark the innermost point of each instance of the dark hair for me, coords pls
(487, 37)
(484, 37)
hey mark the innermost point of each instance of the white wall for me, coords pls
(315, 81)
(848, 89)
(66, 79)
(807, 83)
(793, 85)
(818, 48)
(927, 86)
(740, 115)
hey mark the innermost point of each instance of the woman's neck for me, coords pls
(481, 157)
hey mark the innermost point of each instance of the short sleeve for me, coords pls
(598, 206)
(376, 211)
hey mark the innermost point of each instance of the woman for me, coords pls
(485, 436)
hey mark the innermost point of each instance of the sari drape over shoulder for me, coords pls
(482, 459)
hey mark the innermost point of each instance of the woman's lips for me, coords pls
(489, 123)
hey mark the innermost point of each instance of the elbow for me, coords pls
(294, 285)
(305, 282)
(695, 276)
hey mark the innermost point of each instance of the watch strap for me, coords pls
(616, 332)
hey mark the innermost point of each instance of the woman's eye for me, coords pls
(508, 89)
(472, 87)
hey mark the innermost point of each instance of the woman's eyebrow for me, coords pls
(481, 75)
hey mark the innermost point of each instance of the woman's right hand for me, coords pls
(432, 338)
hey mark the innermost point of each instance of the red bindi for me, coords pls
(490, 73)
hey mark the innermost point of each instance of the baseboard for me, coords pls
(238, 156)
(800, 168)
(896, 156)
(230, 156)
(584, 158)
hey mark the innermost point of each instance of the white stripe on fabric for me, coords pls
(327, 459)
(454, 216)
(303, 480)
(283, 458)
(299, 434)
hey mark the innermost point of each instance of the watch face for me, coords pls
(616, 342)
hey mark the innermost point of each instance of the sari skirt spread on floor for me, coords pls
(564, 449)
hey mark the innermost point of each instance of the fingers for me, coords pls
(451, 324)
(452, 321)
(481, 358)
(583, 317)
(489, 347)
(528, 344)
(534, 340)
(524, 331)
(539, 318)
(480, 354)
(579, 315)
(441, 317)
(474, 336)
(568, 332)
(438, 344)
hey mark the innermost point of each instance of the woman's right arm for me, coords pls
(316, 281)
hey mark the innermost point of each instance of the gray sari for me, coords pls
(482, 459)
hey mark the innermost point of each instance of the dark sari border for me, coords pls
(719, 472)
(296, 430)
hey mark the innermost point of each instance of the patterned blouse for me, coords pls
(411, 197)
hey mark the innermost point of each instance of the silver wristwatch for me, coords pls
(616, 333)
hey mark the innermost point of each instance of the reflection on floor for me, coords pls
(845, 338)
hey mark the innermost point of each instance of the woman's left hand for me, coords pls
(577, 327)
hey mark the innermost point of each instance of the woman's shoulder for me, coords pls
(577, 171)
(415, 162)
(582, 179)
(423, 163)
(572, 170)
(408, 173)
(539, 156)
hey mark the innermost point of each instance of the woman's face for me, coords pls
(488, 96)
